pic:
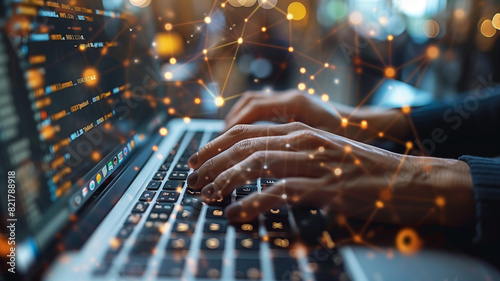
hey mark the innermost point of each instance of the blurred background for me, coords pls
(346, 51)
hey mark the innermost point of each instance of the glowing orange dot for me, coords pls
(337, 172)
(302, 70)
(240, 40)
(440, 201)
(82, 47)
(173, 61)
(187, 120)
(171, 111)
(312, 77)
(327, 65)
(390, 38)
(325, 97)
(197, 100)
(381, 134)
(163, 131)
(311, 91)
(357, 238)
(264, 29)
(208, 20)
(168, 26)
(205, 51)
(390, 72)
(301, 86)
(406, 109)
(219, 101)
(432, 52)
(379, 204)
(290, 49)
(344, 122)
(487, 29)
(408, 241)
(409, 145)
(348, 149)
(154, 148)
(96, 156)
(90, 76)
(168, 75)
(364, 124)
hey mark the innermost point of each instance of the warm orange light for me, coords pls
(290, 49)
(168, 43)
(168, 26)
(325, 97)
(197, 100)
(379, 204)
(187, 120)
(440, 201)
(364, 124)
(240, 40)
(264, 29)
(163, 131)
(90, 76)
(301, 86)
(173, 60)
(219, 101)
(390, 72)
(432, 52)
(408, 241)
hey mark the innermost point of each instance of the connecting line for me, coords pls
(414, 72)
(375, 50)
(366, 98)
(398, 169)
(368, 221)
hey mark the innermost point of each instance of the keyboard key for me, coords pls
(143, 248)
(159, 176)
(245, 190)
(140, 207)
(267, 182)
(247, 269)
(171, 267)
(153, 185)
(182, 166)
(188, 213)
(249, 227)
(215, 227)
(193, 192)
(223, 202)
(156, 216)
(280, 211)
(286, 268)
(215, 213)
(165, 208)
(133, 269)
(281, 243)
(195, 202)
(277, 225)
(183, 227)
(168, 196)
(152, 227)
(101, 269)
(247, 243)
(125, 232)
(178, 175)
(147, 196)
(212, 243)
(209, 268)
(173, 185)
(133, 219)
(164, 167)
(178, 243)
(310, 223)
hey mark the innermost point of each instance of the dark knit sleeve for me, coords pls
(469, 125)
(486, 179)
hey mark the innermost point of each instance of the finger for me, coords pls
(289, 190)
(242, 102)
(276, 164)
(238, 133)
(235, 154)
(282, 107)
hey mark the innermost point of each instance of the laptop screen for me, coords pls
(80, 91)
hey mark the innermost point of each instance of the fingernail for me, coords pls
(193, 178)
(208, 191)
(193, 159)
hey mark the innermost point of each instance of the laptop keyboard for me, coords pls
(170, 208)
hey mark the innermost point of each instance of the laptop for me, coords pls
(96, 161)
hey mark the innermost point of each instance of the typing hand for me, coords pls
(321, 169)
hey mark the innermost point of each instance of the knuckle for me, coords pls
(297, 126)
(258, 156)
(237, 130)
(242, 146)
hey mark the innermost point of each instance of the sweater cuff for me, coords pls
(485, 174)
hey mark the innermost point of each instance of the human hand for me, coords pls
(326, 170)
(362, 123)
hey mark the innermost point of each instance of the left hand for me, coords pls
(321, 169)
